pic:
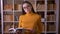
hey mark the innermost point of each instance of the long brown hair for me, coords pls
(23, 12)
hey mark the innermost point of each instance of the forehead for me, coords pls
(25, 4)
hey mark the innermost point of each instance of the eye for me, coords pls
(26, 7)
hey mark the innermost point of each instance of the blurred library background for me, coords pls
(10, 10)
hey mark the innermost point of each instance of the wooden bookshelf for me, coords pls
(12, 9)
(0, 19)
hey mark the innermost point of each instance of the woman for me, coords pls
(30, 20)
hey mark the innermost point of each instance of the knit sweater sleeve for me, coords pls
(20, 22)
(40, 24)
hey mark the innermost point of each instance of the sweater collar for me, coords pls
(28, 14)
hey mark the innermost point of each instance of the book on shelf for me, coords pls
(40, 7)
(8, 7)
(16, 18)
(51, 27)
(17, 7)
(6, 27)
(54, 6)
(16, 25)
(51, 6)
(51, 18)
(43, 27)
(8, 17)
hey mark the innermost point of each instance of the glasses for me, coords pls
(26, 7)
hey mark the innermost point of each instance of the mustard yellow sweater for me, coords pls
(31, 21)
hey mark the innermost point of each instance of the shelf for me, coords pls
(40, 10)
(46, 11)
(51, 10)
(16, 21)
(8, 21)
(50, 0)
(51, 31)
(8, 13)
(50, 21)
(6, 24)
(8, 10)
(42, 32)
(17, 10)
(7, 1)
(40, 0)
(9, 32)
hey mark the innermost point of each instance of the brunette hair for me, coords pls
(23, 12)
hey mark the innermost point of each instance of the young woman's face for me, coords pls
(27, 8)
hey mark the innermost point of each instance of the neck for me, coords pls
(29, 12)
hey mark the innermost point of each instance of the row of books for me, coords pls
(43, 7)
(16, 7)
(10, 18)
(8, 7)
(51, 27)
(51, 6)
(11, 7)
(7, 26)
(38, 7)
(51, 18)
